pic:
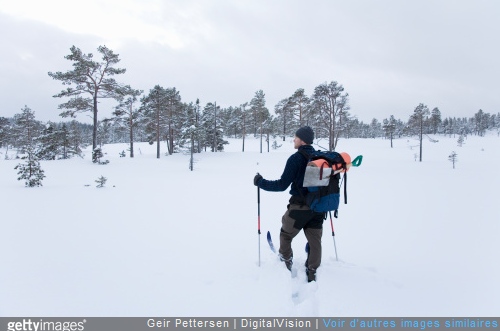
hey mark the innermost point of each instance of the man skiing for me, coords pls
(298, 215)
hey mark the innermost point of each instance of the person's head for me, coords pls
(303, 136)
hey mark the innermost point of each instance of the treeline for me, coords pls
(182, 126)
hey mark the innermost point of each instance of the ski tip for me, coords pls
(269, 240)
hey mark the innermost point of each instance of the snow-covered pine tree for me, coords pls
(300, 103)
(231, 121)
(49, 142)
(4, 131)
(285, 112)
(211, 134)
(76, 138)
(175, 119)
(259, 112)
(375, 128)
(417, 123)
(269, 127)
(389, 127)
(31, 170)
(435, 120)
(328, 105)
(154, 107)
(25, 129)
(104, 131)
(127, 115)
(482, 122)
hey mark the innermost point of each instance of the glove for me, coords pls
(256, 179)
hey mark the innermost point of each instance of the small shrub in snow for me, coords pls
(101, 181)
(453, 158)
(97, 155)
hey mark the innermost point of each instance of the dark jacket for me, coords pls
(293, 174)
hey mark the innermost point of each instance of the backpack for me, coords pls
(322, 180)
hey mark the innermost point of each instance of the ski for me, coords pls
(270, 241)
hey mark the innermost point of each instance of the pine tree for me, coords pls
(174, 118)
(49, 143)
(75, 139)
(328, 107)
(417, 121)
(127, 115)
(481, 118)
(300, 103)
(435, 120)
(285, 110)
(4, 131)
(375, 128)
(244, 120)
(154, 106)
(91, 78)
(259, 112)
(25, 130)
(31, 170)
(211, 134)
(389, 127)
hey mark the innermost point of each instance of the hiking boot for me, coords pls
(288, 262)
(311, 275)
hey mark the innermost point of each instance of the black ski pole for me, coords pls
(258, 217)
(333, 235)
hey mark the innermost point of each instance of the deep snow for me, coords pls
(415, 239)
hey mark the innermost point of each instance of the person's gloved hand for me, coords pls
(256, 179)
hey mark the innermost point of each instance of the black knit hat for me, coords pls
(306, 134)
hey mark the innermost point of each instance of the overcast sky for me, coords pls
(389, 55)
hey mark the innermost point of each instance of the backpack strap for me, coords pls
(304, 154)
(307, 156)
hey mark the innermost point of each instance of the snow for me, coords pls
(415, 239)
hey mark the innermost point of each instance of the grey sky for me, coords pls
(389, 55)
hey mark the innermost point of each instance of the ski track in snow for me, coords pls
(416, 239)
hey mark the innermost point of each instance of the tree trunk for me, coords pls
(244, 132)
(94, 131)
(421, 134)
(261, 138)
(131, 133)
(157, 130)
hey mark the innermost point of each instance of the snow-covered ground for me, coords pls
(415, 239)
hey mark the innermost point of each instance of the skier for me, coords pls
(298, 215)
